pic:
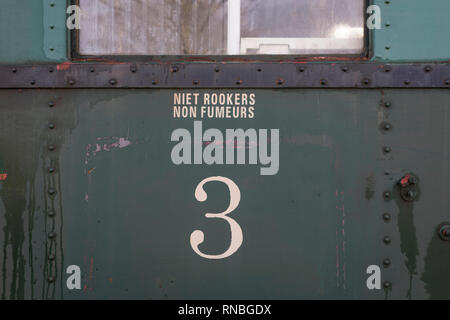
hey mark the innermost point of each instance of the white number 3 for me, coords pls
(198, 236)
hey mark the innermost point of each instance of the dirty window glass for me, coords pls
(221, 27)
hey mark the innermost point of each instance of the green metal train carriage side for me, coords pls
(87, 178)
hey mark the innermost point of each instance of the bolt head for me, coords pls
(323, 82)
(112, 82)
(51, 235)
(386, 217)
(387, 104)
(387, 126)
(51, 192)
(387, 262)
(51, 170)
(387, 285)
(51, 279)
(51, 148)
(51, 126)
(51, 257)
(51, 213)
(387, 240)
(387, 149)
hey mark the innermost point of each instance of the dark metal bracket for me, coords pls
(226, 75)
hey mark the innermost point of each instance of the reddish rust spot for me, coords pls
(63, 66)
(3, 176)
(405, 180)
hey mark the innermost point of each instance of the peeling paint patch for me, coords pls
(105, 144)
(3, 176)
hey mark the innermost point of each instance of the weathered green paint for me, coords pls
(124, 212)
(25, 33)
(416, 30)
(412, 30)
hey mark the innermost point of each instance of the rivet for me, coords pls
(51, 126)
(344, 69)
(239, 82)
(51, 235)
(407, 82)
(323, 82)
(447, 82)
(174, 69)
(51, 104)
(51, 279)
(71, 82)
(387, 104)
(387, 24)
(301, 69)
(91, 69)
(51, 170)
(32, 82)
(51, 257)
(387, 262)
(280, 82)
(52, 4)
(427, 69)
(387, 284)
(113, 82)
(52, 27)
(51, 148)
(366, 81)
(52, 49)
(387, 69)
(50, 69)
(387, 240)
(154, 82)
(387, 149)
(387, 126)
(387, 195)
(387, 2)
(386, 217)
(51, 192)
(14, 70)
(259, 69)
(216, 69)
(388, 47)
(51, 213)
(387, 172)
(195, 82)
(133, 68)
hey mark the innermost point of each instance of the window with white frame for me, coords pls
(221, 27)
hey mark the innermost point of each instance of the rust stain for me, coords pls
(405, 180)
(63, 66)
(91, 170)
(3, 176)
